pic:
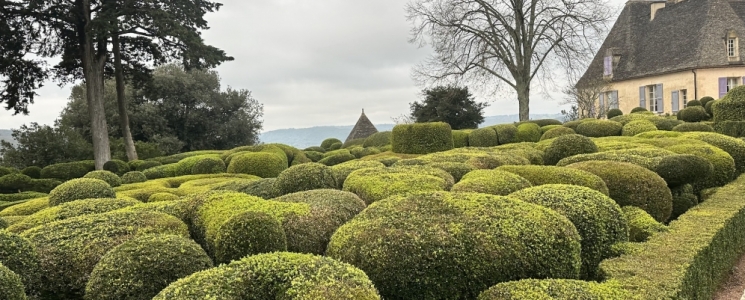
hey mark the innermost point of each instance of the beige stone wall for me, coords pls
(707, 79)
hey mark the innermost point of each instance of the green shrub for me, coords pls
(353, 143)
(112, 179)
(687, 127)
(11, 287)
(599, 128)
(630, 184)
(143, 165)
(118, 167)
(540, 175)
(378, 139)
(327, 143)
(27, 207)
(69, 249)
(163, 171)
(209, 165)
(249, 233)
(733, 146)
(549, 127)
(693, 103)
(705, 100)
(263, 188)
(556, 132)
(597, 217)
(492, 182)
(613, 112)
(554, 289)
(65, 171)
(315, 149)
(460, 138)
(693, 114)
(645, 162)
(636, 127)
(683, 200)
(133, 177)
(20, 196)
(506, 133)
(566, 146)
(143, 266)
(638, 109)
(6, 170)
(710, 107)
(456, 169)
(723, 163)
(279, 275)
(262, 164)
(665, 123)
(341, 171)
(545, 122)
(185, 166)
(483, 137)
(14, 182)
(641, 224)
(157, 197)
(81, 188)
(334, 158)
(18, 255)
(305, 177)
(528, 132)
(731, 128)
(392, 239)
(422, 138)
(659, 134)
(335, 146)
(373, 184)
(683, 169)
(32, 171)
(70, 210)
(314, 156)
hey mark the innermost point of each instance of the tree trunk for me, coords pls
(523, 99)
(93, 71)
(129, 144)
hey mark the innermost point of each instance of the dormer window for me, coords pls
(731, 44)
(732, 47)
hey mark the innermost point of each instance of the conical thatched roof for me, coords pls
(362, 129)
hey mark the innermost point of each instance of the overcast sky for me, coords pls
(312, 63)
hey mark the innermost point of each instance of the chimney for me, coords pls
(655, 7)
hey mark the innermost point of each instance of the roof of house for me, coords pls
(682, 36)
(363, 129)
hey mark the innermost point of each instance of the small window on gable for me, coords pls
(731, 47)
(731, 43)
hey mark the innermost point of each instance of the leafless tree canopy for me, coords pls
(488, 42)
(585, 99)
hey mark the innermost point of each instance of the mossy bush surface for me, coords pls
(566, 146)
(69, 249)
(456, 169)
(645, 162)
(209, 165)
(279, 275)
(341, 171)
(693, 114)
(162, 171)
(636, 127)
(263, 188)
(549, 127)
(638, 110)
(133, 177)
(143, 266)
(81, 188)
(658, 134)
(314, 156)
(683, 199)
(723, 163)
(422, 138)
(630, 184)
(492, 182)
(683, 169)
(556, 132)
(540, 175)
(248, 233)
(731, 128)
(378, 139)
(555, 289)
(262, 164)
(373, 184)
(528, 132)
(112, 179)
(28, 207)
(11, 286)
(70, 210)
(598, 219)
(157, 197)
(599, 128)
(472, 235)
(335, 157)
(545, 122)
(483, 137)
(614, 112)
(305, 177)
(18, 255)
(21, 196)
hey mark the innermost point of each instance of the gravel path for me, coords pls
(734, 287)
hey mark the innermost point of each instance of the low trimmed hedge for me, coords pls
(422, 138)
(162, 171)
(248, 233)
(731, 128)
(70, 210)
(373, 184)
(688, 127)
(25, 207)
(327, 143)
(556, 132)
(566, 146)
(731, 107)
(336, 157)
(506, 133)
(18, 255)
(118, 167)
(262, 164)
(32, 171)
(341, 171)
(636, 127)
(460, 138)
(11, 287)
(555, 289)
(112, 179)
(20, 196)
(540, 175)
(378, 139)
(162, 196)
(483, 137)
(614, 112)
(66, 171)
(723, 163)
(494, 182)
(528, 132)
(81, 188)
(305, 177)
(683, 169)
(14, 183)
(733, 146)
(641, 224)
(693, 114)
(599, 128)
(133, 177)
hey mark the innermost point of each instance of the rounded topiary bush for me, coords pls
(341, 171)
(493, 182)
(614, 112)
(32, 171)
(506, 133)
(460, 138)
(262, 164)
(733, 146)
(422, 138)
(724, 165)
(326, 144)
(209, 165)
(143, 266)
(550, 289)
(11, 287)
(693, 114)
(659, 134)
(118, 167)
(688, 127)
(458, 170)
(314, 156)
(336, 146)
(263, 188)
(540, 175)
(636, 127)
(373, 184)
(279, 275)
(630, 184)
(528, 132)
(162, 171)
(549, 127)
(556, 132)
(683, 169)
(693, 103)
(378, 139)
(665, 123)
(597, 217)
(70, 210)
(710, 107)
(683, 200)
(133, 177)
(566, 146)
(599, 128)
(112, 179)
(545, 122)
(731, 107)
(305, 177)
(157, 197)
(483, 137)
(17, 254)
(81, 188)
(641, 224)
(248, 233)
(638, 110)
(65, 171)
(336, 157)
(705, 100)
(395, 238)
(144, 165)
(14, 182)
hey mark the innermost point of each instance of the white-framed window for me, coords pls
(732, 47)
(732, 82)
(611, 99)
(651, 91)
(684, 97)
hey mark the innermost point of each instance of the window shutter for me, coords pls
(675, 102)
(658, 97)
(608, 66)
(602, 103)
(722, 87)
(642, 100)
(614, 99)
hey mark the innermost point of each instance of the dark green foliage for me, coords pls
(263, 188)
(314, 156)
(352, 143)
(392, 239)
(14, 183)
(528, 132)
(693, 103)
(636, 127)
(449, 104)
(683, 200)
(112, 179)
(710, 107)
(638, 109)
(116, 166)
(378, 139)
(597, 217)
(5, 171)
(545, 122)
(82, 188)
(422, 138)
(17, 254)
(556, 132)
(665, 123)
(683, 169)
(32, 171)
(143, 165)
(566, 146)
(326, 144)
(209, 165)
(724, 164)
(373, 184)
(688, 127)
(248, 233)
(505, 133)
(614, 112)
(262, 164)
(483, 137)
(133, 177)
(341, 171)
(705, 100)
(316, 149)
(65, 171)
(332, 158)
(162, 171)
(599, 128)
(456, 169)
(731, 128)
(733, 146)
(494, 182)
(460, 138)
(641, 224)
(44, 185)
(305, 177)
(693, 114)
(335, 146)
(140, 268)
(554, 289)
(42, 145)
(549, 127)
(630, 184)
(540, 175)
(11, 286)
(20, 196)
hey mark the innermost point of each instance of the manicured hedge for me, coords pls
(327, 143)
(422, 138)
(556, 132)
(693, 114)
(133, 177)
(646, 162)
(18, 255)
(70, 210)
(528, 132)
(658, 134)
(492, 182)
(483, 137)
(21, 196)
(687, 127)
(11, 287)
(599, 128)
(555, 289)
(14, 183)
(683, 169)
(112, 179)
(373, 184)
(540, 175)
(636, 127)
(25, 207)
(162, 196)
(66, 171)
(378, 139)
(118, 167)
(341, 171)
(460, 138)
(731, 107)
(305, 177)
(336, 157)
(733, 146)
(506, 133)
(456, 169)
(566, 146)
(248, 233)
(32, 171)
(731, 128)
(81, 188)
(163, 171)
(209, 165)
(614, 112)
(723, 163)
(641, 224)
(279, 275)
(140, 268)
(683, 199)
(262, 164)
(441, 236)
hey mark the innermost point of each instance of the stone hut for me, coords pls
(362, 129)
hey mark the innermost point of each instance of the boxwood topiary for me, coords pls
(378, 139)
(456, 169)
(209, 165)
(141, 267)
(133, 177)
(659, 134)
(248, 233)
(683, 169)
(683, 200)
(460, 138)
(693, 114)
(540, 175)
(723, 163)
(112, 179)
(162, 196)
(118, 167)
(687, 127)
(665, 123)
(81, 188)
(27, 207)
(305, 177)
(492, 182)
(144, 165)
(528, 132)
(17, 254)
(32, 171)
(314, 156)
(65, 171)
(279, 275)
(636, 127)
(262, 164)
(263, 188)
(630, 184)
(709, 107)
(705, 100)
(336, 157)
(394, 238)
(641, 224)
(731, 128)
(70, 210)
(556, 132)
(549, 127)
(327, 143)
(693, 103)
(645, 162)
(11, 287)
(614, 112)
(373, 184)
(599, 128)
(483, 137)
(69, 249)
(341, 171)
(566, 146)
(733, 146)
(14, 183)
(597, 217)
(638, 109)
(505, 133)
(422, 138)
(559, 289)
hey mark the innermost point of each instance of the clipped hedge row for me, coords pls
(70, 210)
(555, 289)
(422, 138)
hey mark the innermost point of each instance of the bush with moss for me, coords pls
(118, 167)
(724, 165)
(70, 210)
(618, 156)
(597, 217)
(566, 146)
(394, 238)
(630, 184)
(456, 169)
(314, 156)
(133, 177)
(341, 171)
(705, 100)
(556, 132)
(327, 143)
(658, 134)
(688, 127)
(373, 184)
(305, 177)
(492, 182)
(693, 114)
(18, 255)
(11, 286)
(14, 183)
(262, 164)
(636, 127)
(528, 132)
(549, 127)
(263, 188)
(483, 137)
(65, 171)
(81, 188)
(144, 165)
(69, 249)
(693, 103)
(32, 171)
(140, 268)
(638, 110)
(599, 128)
(551, 289)
(422, 138)
(541, 175)
(614, 112)
(641, 224)
(112, 179)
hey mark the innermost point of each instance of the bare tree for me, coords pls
(489, 42)
(585, 99)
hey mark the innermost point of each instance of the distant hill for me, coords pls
(313, 136)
